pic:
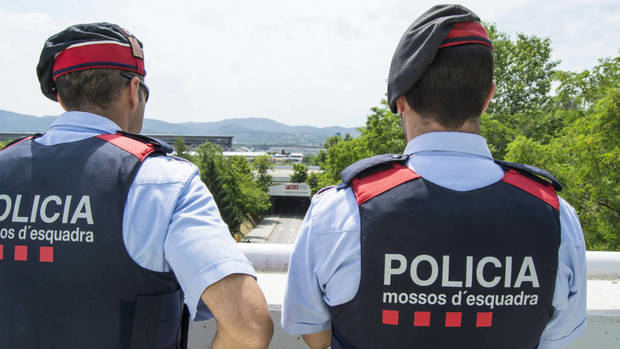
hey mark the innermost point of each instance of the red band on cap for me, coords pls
(97, 55)
(467, 33)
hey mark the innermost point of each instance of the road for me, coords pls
(285, 231)
(276, 229)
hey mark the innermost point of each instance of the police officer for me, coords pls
(441, 247)
(106, 235)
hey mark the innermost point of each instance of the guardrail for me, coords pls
(275, 258)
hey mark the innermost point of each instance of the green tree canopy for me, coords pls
(230, 180)
(300, 173)
(262, 164)
(523, 73)
(585, 157)
(180, 149)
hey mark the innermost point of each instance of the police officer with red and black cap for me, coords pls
(443, 246)
(110, 242)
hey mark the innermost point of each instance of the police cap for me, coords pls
(88, 46)
(441, 26)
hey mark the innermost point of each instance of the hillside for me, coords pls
(244, 130)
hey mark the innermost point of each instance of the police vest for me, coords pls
(449, 269)
(66, 278)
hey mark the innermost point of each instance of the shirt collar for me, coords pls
(459, 142)
(85, 121)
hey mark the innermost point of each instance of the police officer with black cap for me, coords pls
(110, 242)
(443, 246)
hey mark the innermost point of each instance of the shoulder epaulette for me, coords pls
(323, 190)
(376, 175)
(533, 172)
(368, 166)
(160, 145)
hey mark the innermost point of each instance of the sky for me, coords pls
(319, 63)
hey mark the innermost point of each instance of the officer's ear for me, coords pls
(489, 96)
(133, 92)
(402, 105)
(62, 104)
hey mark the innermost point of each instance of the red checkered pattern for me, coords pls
(20, 253)
(452, 319)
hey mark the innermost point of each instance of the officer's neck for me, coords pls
(415, 125)
(118, 112)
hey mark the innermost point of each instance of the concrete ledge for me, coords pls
(603, 332)
(271, 261)
(603, 265)
(275, 258)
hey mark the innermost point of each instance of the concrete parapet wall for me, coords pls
(271, 261)
(275, 258)
(603, 332)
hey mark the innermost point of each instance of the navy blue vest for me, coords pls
(448, 269)
(66, 279)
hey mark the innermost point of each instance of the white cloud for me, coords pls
(320, 63)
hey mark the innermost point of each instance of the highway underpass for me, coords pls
(290, 199)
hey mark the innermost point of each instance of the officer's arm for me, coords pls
(319, 340)
(242, 316)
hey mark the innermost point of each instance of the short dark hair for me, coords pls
(94, 87)
(454, 88)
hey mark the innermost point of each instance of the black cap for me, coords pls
(419, 45)
(88, 46)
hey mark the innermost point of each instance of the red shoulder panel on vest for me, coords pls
(370, 186)
(136, 148)
(17, 142)
(545, 192)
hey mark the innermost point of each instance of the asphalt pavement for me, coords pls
(276, 229)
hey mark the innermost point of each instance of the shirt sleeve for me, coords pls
(199, 247)
(304, 311)
(569, 300)
(318, 276)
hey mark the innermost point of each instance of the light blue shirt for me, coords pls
(171, 221)
(325, 265)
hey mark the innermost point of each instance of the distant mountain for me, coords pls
(249, 131)
(14, 122)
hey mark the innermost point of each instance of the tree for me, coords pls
(180, 149)
(262, 164)
(231, 183)
(383, 132)
(523, 73)
(585, 153)
(318, 181)
(580, 90)
(343, 154)
(300, 173)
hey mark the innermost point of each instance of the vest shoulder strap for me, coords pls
(370, 165)
(138, 145)
(19, 140)
(534, 173)
(376, 175)
(532, 180)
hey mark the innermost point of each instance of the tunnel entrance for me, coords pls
(289, 205)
